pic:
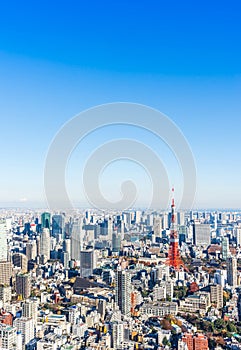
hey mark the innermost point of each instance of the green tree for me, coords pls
(165, 341)
(220, 324)
(231, 327)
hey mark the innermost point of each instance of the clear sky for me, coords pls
(58, 58)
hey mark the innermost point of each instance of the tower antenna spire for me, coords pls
(174, 259)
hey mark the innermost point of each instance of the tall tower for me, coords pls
(174, 260)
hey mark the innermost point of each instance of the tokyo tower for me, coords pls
(174, 260)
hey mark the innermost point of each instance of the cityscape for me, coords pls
(120, 196)
(120, 280)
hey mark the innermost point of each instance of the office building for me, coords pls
(232, 271)
(225, 248)
(116, 241)
(45, 243)
(75, 240)
(31, 250)
(25, 325)
(5, 272)
(30, 309)
(57, 225)
(3, 241)
(23, 285)
(20, 260)
(201, 234)
(216, 294)
(45, 220)
(87, 262)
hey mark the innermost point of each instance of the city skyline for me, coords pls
(162, 57)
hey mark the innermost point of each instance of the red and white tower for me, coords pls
(174, 260)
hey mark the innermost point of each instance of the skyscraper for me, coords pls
(23, 286)
(31, 250)
(225, 248)
(25, 325)
(123, 290)
(3, 241)
(57, 225)
(20, 260)
(45, 220)
(232, 271)
(75, 240)
(116, 241)
(5, 272)
(87, 262)
(45, 243)
(30, 309)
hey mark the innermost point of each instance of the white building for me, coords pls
(45, 243)
(7, 337)
(117, 334)
(3, 241)
(26, 327)
(30, 309)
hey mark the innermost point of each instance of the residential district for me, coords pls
(120, 280)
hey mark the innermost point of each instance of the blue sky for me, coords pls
(59, 58)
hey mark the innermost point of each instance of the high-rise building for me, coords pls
(237, 235)
(116, 241)
(45, 243)
(30, 309)
(123, 290)
(216, 294)
(3, 241)
(5, 294)
(20, 260)
(31, 250)
(157, 226)
(45, 220)
(87, 262)
(75, 240)
(201, 234)
(5, 272)
(57, 225)
(117, 334)
(181, 218)
(110, 229)
(7, 337)
(25, 325)
(23, 285)
(232, 271)
(225, 248)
